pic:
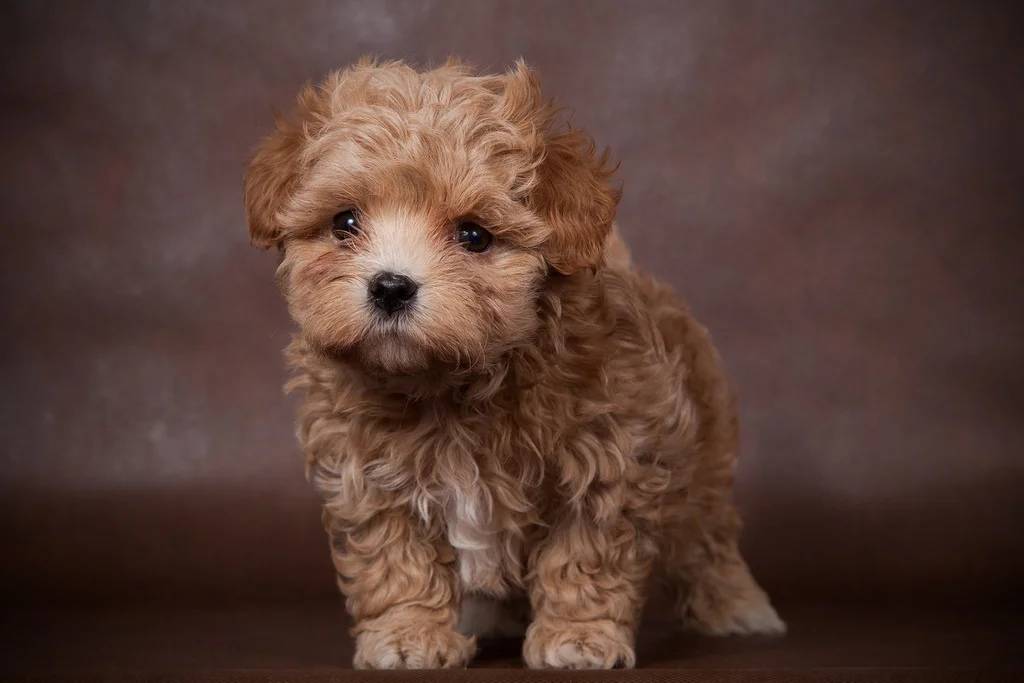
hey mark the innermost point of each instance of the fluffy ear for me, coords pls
(575, 195)
(277, 165)
(572, 189)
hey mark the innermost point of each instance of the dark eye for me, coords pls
(345, 225)
(473, 238)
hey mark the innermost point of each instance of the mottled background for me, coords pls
(836, 187)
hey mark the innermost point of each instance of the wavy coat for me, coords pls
(544, 423)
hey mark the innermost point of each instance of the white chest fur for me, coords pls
(476, 538)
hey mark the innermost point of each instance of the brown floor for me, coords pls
(308, 643)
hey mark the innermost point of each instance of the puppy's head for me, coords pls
(419, 214)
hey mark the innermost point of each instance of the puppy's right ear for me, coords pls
(277, 166)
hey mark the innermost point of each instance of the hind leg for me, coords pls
(717, 593)
(700, 548)
(724, 599)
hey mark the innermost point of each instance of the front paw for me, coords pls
(419, 645)
(598, 644)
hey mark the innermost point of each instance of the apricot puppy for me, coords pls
(495, 403)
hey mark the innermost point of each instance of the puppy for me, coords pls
(495, 403)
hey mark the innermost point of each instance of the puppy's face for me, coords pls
(420, 213)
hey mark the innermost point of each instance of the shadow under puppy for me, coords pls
(496, 403)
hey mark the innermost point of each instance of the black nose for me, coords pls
(390, 291)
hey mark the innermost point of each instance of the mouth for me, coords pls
(393, 352)
(393, 325)
(388, 344)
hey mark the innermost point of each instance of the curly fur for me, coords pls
(544, 422)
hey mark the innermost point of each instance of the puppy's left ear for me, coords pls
(575, 195)
(572, 189)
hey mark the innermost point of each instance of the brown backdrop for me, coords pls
(835, 187)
